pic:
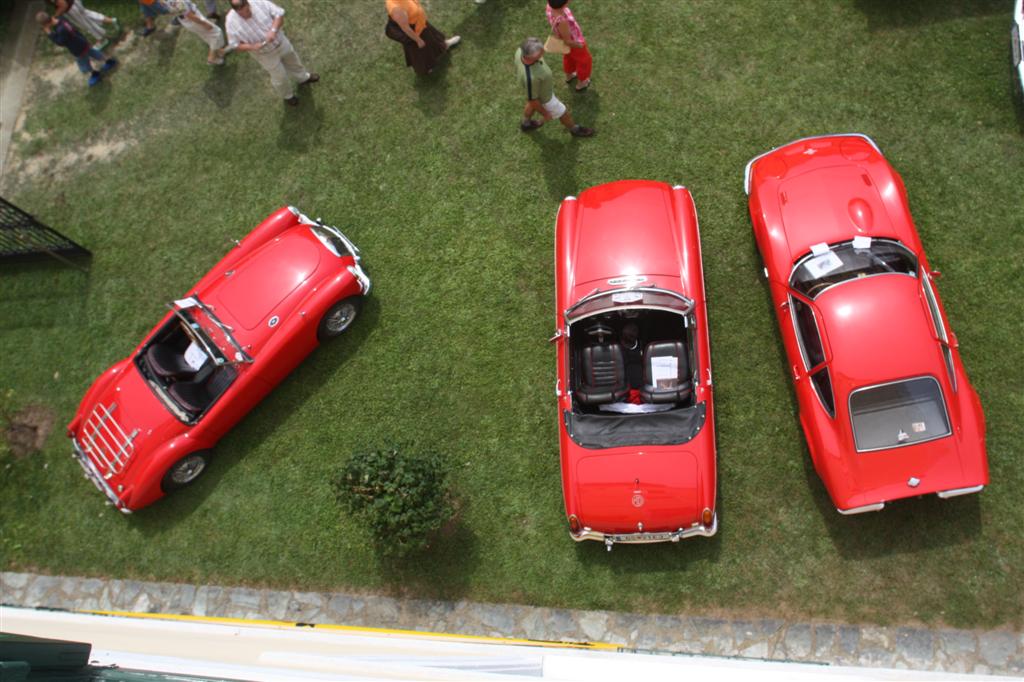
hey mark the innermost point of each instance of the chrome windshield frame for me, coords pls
(810, 254)
(240, 354)
(570, 320)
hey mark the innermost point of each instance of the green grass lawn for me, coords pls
(454, 209)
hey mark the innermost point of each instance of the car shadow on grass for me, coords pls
(43, 293)
(883, 14)
(905, 526)
(320, 367)
(222, 83)
(300, 126)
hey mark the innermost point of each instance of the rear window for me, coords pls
(898, 414)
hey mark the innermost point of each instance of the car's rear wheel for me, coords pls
(185, 471)
(339, 317)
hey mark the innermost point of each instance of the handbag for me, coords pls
(555, 45)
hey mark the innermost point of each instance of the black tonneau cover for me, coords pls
(598, 431)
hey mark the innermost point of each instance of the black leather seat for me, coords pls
(196, 396)
(674, 389)
(602, 375)
(167, 362)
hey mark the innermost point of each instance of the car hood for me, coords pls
(125, 421)
(625, 229)
(618, 491)
(261, 282)
(813, 211)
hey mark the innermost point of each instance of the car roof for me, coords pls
(878, 329)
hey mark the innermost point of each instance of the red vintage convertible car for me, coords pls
(885, 403)
(147, 424)
(635, 409)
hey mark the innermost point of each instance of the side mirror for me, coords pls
(558, 335)
(935, 274)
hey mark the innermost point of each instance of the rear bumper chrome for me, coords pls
(610, 539)
(94, 475)
(944, 494)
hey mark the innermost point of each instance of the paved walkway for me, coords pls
(998, 652)
(18, 47)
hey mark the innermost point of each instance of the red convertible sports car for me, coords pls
(635, 411)
(147, 424)
(885, 403)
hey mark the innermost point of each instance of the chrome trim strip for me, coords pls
(610, 539)
(688, 302)
(94, 475)
(879, 506)
(746, 171)
(355, 270)
(955, 492)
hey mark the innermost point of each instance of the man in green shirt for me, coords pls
(537, 81)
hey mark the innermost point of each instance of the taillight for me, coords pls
(574, 523)
(707, 517)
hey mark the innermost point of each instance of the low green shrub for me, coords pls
(403, 499)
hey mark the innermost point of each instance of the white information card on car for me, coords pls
(195, 356)
(665, 371)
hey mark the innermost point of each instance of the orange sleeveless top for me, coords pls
(417, 17)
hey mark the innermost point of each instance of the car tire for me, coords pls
(185, 471)
(338, 318)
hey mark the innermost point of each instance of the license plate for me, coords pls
(642, 537)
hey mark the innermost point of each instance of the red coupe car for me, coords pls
(147, 424)
(885, 403)
(635, 409)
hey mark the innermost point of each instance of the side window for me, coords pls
(940, 328)
(807, 333)
(823, 386)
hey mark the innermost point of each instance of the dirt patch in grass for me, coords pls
(55, 165)
(28, 429)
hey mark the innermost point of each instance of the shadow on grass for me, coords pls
(222, 83)
(98, 96)
(300, 126)
(559, 153)
(884, 14)
(654, 558)
(166, 44)
(486, 26)
(321, 366)
(432, 89)
(905, 526)
(442, 571)
(43, 293)
(1018, 101)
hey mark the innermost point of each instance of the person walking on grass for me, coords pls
(62, 33)
(192, 20)
(537, 81)
(150, 9)
(578, 64)
(254, 26)
(423, 44)
(86, 20)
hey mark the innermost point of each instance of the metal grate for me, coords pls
(106, 442)
(22, 235)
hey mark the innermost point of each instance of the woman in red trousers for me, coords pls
(578, 63)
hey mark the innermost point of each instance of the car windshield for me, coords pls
(208, 331)
(650, 298)
(826, 266)
(898, 413)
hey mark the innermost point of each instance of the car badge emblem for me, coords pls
(638, 500)
(914, 481)
(273, 321)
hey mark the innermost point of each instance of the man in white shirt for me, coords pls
(254, 26)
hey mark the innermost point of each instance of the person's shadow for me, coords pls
(559, 151)
(432, 89)
(166, 43)
(221, 85)
(301, 125)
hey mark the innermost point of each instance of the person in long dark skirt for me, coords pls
(423, 44)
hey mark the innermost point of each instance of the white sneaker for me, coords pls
(453, 41)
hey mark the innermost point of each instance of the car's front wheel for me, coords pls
(185, 471)
(338, 318)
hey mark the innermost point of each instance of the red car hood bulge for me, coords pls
(267, 278)
(616, 492)
(131, 403)
(813, 212)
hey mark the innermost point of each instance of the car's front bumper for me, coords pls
(97, 479)
(610, 539)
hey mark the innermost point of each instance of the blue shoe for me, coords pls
(108, 65)
(95, 78)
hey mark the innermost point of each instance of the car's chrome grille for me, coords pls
(105, 441)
